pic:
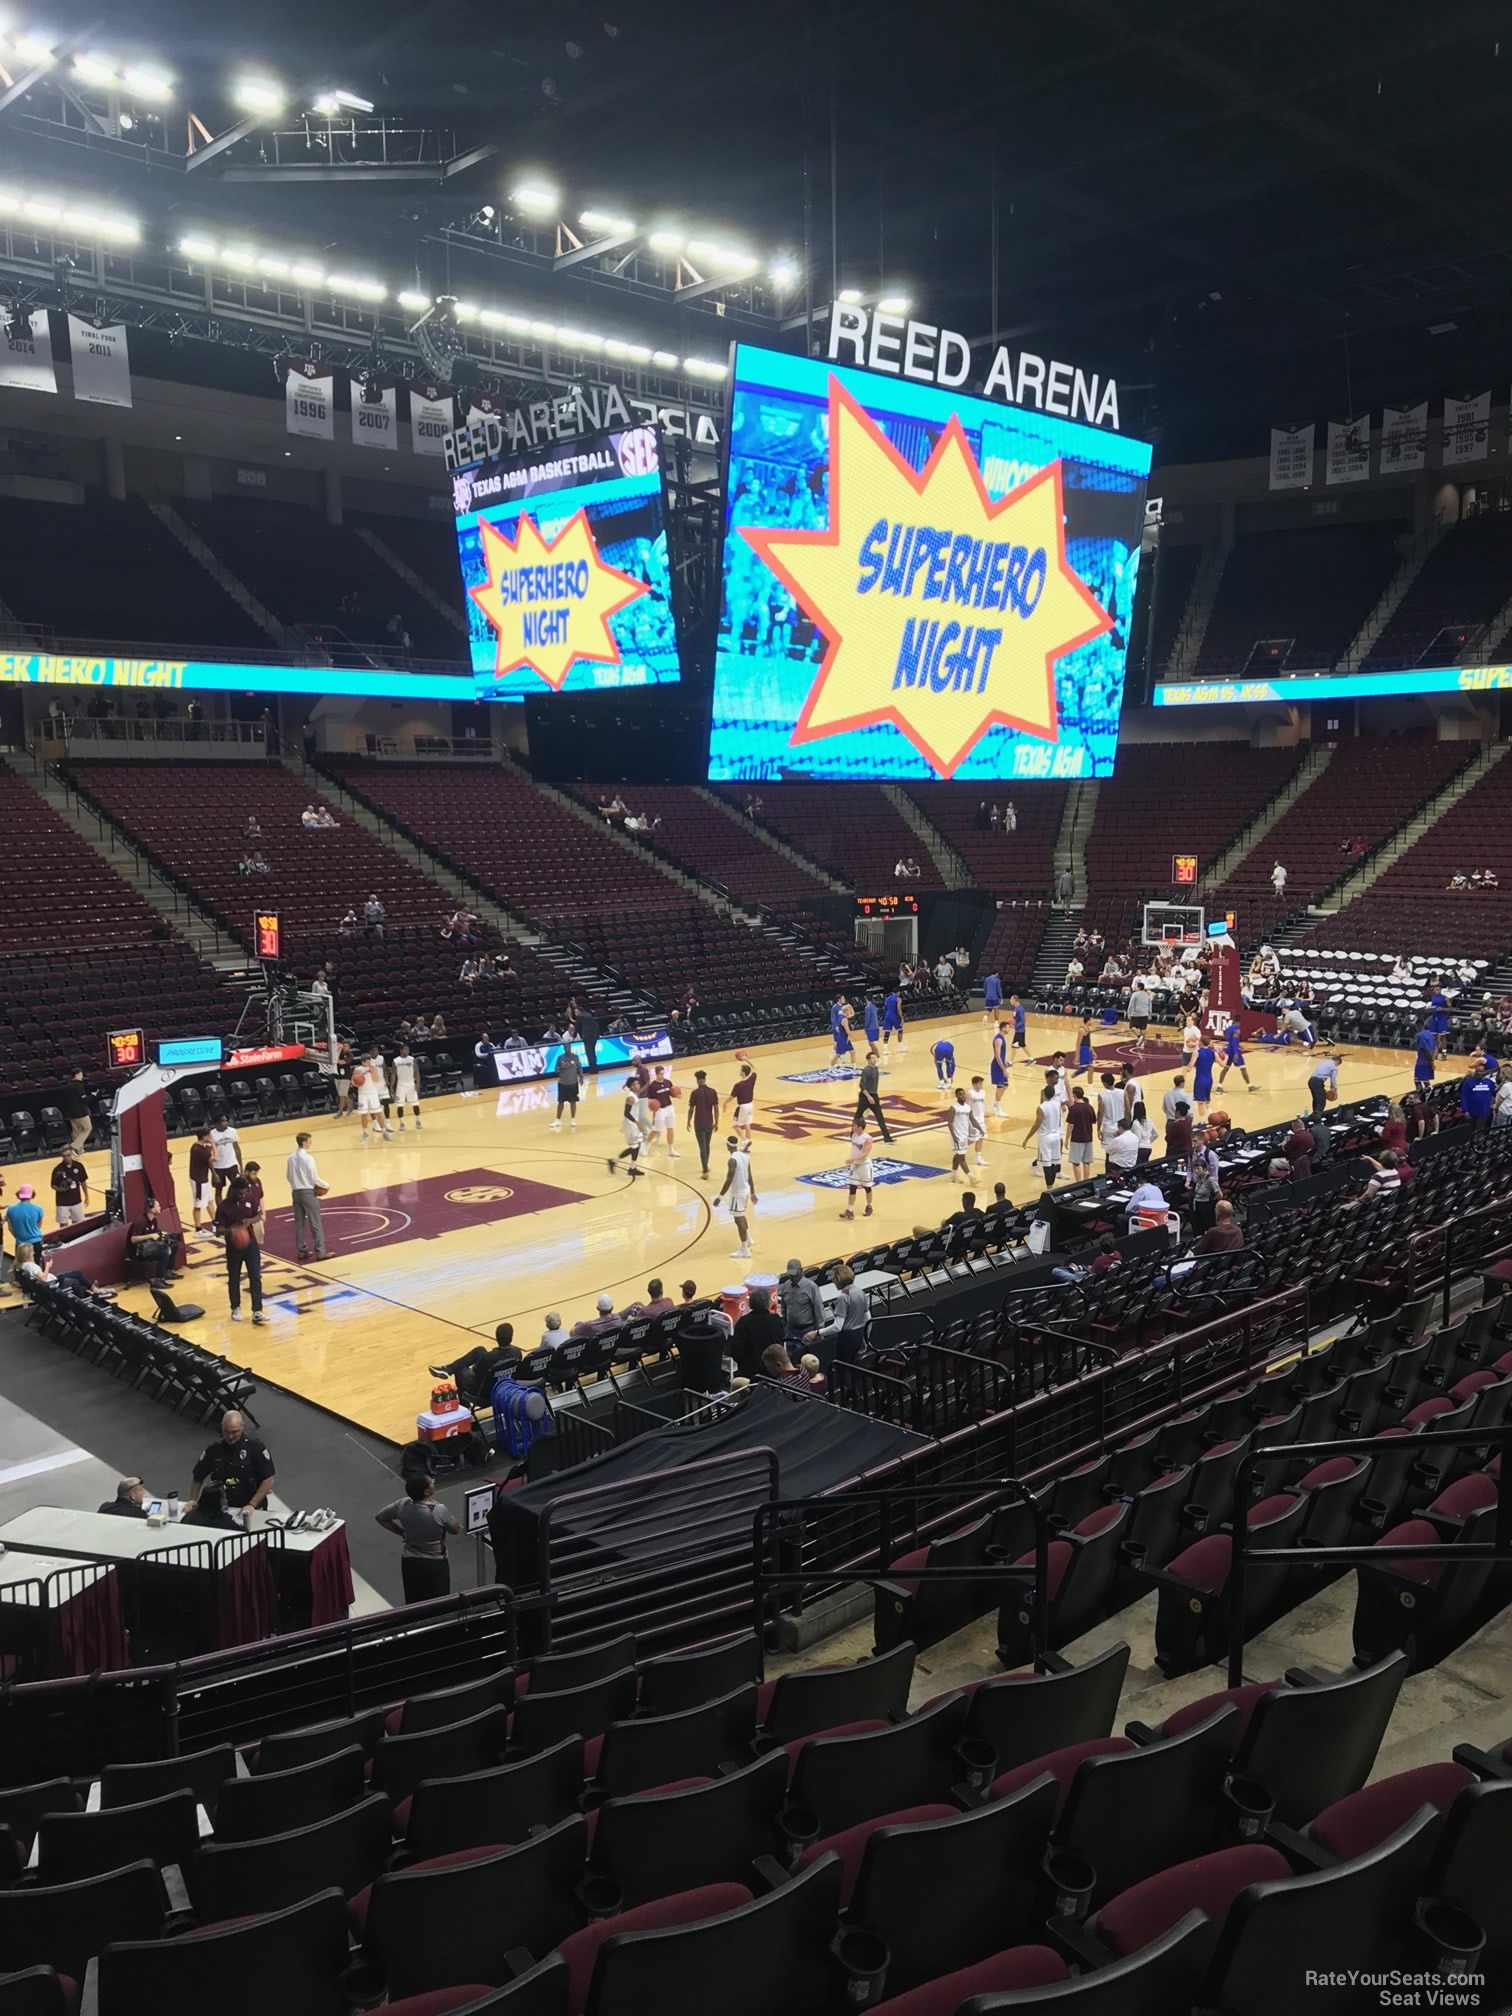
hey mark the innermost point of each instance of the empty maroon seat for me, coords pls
(1209, 1885)
(581, 1949)
(1368, 1817)
(1062, 1765)
(1019, 1967)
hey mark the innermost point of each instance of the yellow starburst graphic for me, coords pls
(944, 612)
(550, 601)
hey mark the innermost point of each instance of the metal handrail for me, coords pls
(1498, 1548)
(766, 1530)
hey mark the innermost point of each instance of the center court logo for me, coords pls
(884, 1170)
(479, 1193)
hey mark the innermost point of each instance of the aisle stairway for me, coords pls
(1055, 951)
(1244, 844)
(1407, 836)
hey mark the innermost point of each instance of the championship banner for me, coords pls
(101, 365)
(1291, 456)
(26, 362)
(1404, 438)
(375, 420)
(1467, 428)
(1348, 458)
(309, 397)
(432, 416)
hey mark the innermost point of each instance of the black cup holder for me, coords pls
(1251, 1806)
(1070, 1879)
(978, 1762)
(1453, 1939)
(864, 1959)
(1195, 1516)
(800, 1829)
(600, 1897)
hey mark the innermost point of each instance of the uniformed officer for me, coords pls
(238, 1462)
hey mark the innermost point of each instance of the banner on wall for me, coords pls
(1467, 428)
(433, 414)
(26, 361)
(101, 364)
(1404, 438)
(1291, 456)
(309, 397)
(375, 414)
(483, 406)
(1348, 458)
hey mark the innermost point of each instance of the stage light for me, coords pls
(536, 199)
(329, 103)
(465, 311)
(242, 257)
(718, 255)
(664, 359)
(704, 367)
(144, 83)
(277, 267)
(491, 318)
(304, 273)
(606, 224)
(784, 274)
(37, 50)
(348, 283)
(544, 332)
(517, 325)
(665, 241)
(487, 212)
(41, 210)
(894, 304)
(638, 353)
(849, 295)
(259, 95)
(408, 298)
(202, 249)
(96, 224)
(95, 69)
(579, 339)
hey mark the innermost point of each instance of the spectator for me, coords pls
(659, 1304)
(1278, 881)
(129, 1500)
(755, 1333)
(73, 1104)
(842, 1335)
(1106, 1256)
(1224, 1235)
(1010, 818)
(1204, 1180)
(601, 1324)
(147, 1243)
(309, 818)
(423, 1523)
(320, 987)
(777, 1366)
(1297, 1148)
(374, 917)
(1148, 1197)
(24, 1222)
(70, 1188)
(1123, 1151)
(555, 1333)
(801, 1303)
(1384, 1182)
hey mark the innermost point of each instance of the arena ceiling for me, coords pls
(1248, 213)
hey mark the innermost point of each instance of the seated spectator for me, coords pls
(1383, 1183)
(1489, 879)
(1298, 1148)
(253, 831)
(209, 1509)
(349, 925)
(309, 817)
(1401, 972)
(658, 1305)
(1458, 881)
(755, 1333)
(130, 1500)
(601, 1324)
(555, 1332)
(777, 1366)
(476, 1370)
(1106, 1256)
(1224, 1235)
(438, 1029)
(900, 870)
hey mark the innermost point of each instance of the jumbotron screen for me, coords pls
(564, 563)
(918, 583)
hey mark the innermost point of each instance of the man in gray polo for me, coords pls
(306, 1189)
(802, 1305)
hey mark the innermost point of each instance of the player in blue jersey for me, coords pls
(1020, 1041)
(1000, 1066)
(1202, 1078)
(1233, 1058)
(1438, 1020)
(1084, 1050)
(992, 998)
(944, 1060)
(873, 1025)
(1427, 1051)
(840, 1015)
(892, 1025)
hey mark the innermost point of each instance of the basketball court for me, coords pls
(483, 1215)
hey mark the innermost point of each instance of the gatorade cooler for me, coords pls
(733, 1302)
(431, 1426)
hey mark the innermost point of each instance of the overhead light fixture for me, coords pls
(465, 311)
(202, 249)
(305, 273)
(329, 103)
(97, 224)
(275, 266)
(849, 295)
(664, 359)
(240, 256)
(491, 318)
(536, 199)
(894, 304)
(517, 325)
(606, 224)
(144, 83)
(36, 49)
(545, 332)
(95, 69)
(705, 367)
(719, 255)
(665, 241)
(259, 95)
(41, 209)
(784, 273)
(408, 298)
(350, 283)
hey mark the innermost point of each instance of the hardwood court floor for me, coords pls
(436, 1236)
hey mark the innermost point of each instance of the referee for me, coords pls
(239, 1463)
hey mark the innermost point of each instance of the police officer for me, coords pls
(238, 1462)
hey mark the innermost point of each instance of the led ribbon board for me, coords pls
(1337, 686)
(916, 583)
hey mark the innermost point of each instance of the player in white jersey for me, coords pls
(977, 1101)
(958, 1120)
(372, 1096)
(740, 1187)
(634, 1133)
(858, 1169)
(404, 1086)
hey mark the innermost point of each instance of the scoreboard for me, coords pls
(887, 906)
(125, 1049)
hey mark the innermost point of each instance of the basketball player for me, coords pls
(992, 999)
(1233, 1058)
(858, 1170)
(1047, 1125)
(1020, 1040)
(892, 1025)
(661, 1093)
(958, 1120)
(978, 1104)
(370, 1086)
(740, 1186)
(871, 1021)
(403, 1086)
(944, 1062)
(638, 1085)
(1110, 1111)
(635, 1138)
(1000, 1067)
(1202, 1078)
(840, 1035)
(743, 1099)
(1084, 1058)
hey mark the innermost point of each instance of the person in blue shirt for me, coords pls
(1477, 1097)
(892, 1025)
(1000, 1066)
(1233, 1057)
(992, 998)
(1202, 1077)
(1323, 1084)
(871, 1021)
(840, 1015)
(1019, 1040)
(1438, 1020)
(24, 1223)
(1084, 1050)
(1427, 1050)
(944, 1057)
